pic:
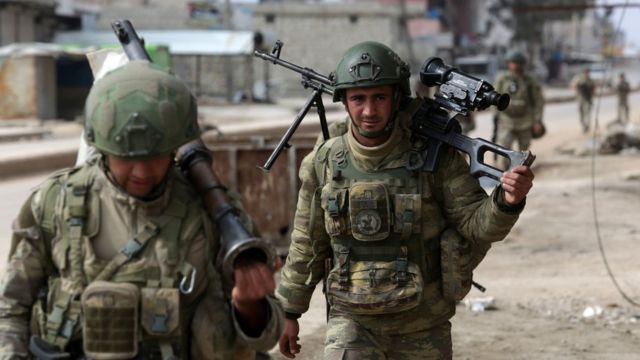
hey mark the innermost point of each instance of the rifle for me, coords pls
(195, 161)
(435, 122)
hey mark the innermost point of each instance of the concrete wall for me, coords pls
(206, 76)
(28, 87)
(18, 22)
(316, 36)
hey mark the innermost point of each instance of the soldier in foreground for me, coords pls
(622, 90)
(116, 258)
(523, 117)
(380, 224)
(584, 88)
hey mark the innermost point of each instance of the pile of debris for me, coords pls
(621, 138)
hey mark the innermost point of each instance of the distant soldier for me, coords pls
(524, 114)
(622, 90)
(584, 88)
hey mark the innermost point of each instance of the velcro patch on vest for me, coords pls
(369, 211)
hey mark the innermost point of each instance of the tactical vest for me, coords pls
(120, 308)
(448, 257)
(374, 221)
(520, 93)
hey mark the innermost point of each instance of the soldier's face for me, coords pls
(370, 107)
(515, 67)
(139, 177)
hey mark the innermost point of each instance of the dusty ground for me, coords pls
(549, 269)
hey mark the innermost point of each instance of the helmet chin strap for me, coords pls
(387, 129)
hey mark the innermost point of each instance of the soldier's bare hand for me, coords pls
(253, 282)
(288, 343)
(516, 184)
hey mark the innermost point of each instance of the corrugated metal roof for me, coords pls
(35, 48)
(180, 42)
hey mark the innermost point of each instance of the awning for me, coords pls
(180, 42)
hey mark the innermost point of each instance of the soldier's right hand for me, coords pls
(289, 346)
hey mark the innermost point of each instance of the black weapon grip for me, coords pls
(42, 350)
(479, 147)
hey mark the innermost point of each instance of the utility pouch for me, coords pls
(334, 204)
(161, 313)
(110, 325)
(369, 211)
(457, 270)
(408, 213)
(376, 287)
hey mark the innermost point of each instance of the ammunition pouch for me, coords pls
(374, 287)
(110, 324)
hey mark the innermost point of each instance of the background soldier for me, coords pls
(584, 88)
(382, 224)
(622, 90)
(114, 258)
(524, 114)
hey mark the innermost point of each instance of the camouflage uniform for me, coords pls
(525, 108)
(397, 244)
(585, 88)
(622, 90)
(98, 272)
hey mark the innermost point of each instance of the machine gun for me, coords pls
(433, 125)
(195, 161)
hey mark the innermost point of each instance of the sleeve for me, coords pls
(25, 276)
(310, 244)
(216, 333)
(271, 333)
(479, 218)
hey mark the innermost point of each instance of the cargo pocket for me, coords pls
(161, 313)
(376, 287)
(110, 325)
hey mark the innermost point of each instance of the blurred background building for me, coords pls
(210, 43)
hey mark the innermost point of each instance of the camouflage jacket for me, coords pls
(185, 245)
(527, 101)
(584, 87)
(450, 198)
(622, 90)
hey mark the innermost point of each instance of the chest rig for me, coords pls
(520, 92)
(110, 305)
(374, 221)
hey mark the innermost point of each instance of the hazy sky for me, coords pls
(630, 23)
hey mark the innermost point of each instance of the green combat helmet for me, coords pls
(370, 63)
(516, 56)
(139, 110)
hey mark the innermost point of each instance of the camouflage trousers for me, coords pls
(349, 340)
(623, 112)
(585, 114)
(506, 138)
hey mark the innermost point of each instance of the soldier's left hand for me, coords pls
(516, 184)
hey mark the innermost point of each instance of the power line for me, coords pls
(593, 180)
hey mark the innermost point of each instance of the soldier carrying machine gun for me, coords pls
(433, 125)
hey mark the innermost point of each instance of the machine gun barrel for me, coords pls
(310, 79)
(307, 73)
